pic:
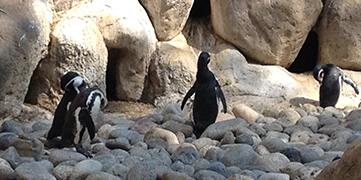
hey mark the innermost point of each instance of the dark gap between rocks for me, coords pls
(306, 59)
(113, 56)
(200, 8)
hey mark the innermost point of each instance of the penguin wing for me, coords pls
(87, 121)
(220, 95)
(191, 91)
(59, 117)
(348, 81)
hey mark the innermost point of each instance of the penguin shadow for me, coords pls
(298, 101)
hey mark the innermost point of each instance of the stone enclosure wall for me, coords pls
(147, 50)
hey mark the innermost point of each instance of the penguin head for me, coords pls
(71, 81)
(318, 72)
(203, 60)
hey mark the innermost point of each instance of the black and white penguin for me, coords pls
(207, 92)
(72, 84)
(331, 77)
(79, 121)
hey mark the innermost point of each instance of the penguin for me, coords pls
(331, 78)
(207, 92)
(71, 83)
(79, 120)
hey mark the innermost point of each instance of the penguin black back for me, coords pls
(72, 84)
(331, 77)
(207, 91)
(79, 120)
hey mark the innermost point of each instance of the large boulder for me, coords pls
(24, 39)
(81, 40)
(270, 32)
(171, 72)
(168, 17)
(348, 167)
(339, 37)
(77, 45)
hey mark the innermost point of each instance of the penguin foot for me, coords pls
(86, 152)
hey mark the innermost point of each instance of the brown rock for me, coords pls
(348, 167)
(271, 32)
(24, 42)
(160, 133)
(338, 34)
(245, 112)
(168, 17)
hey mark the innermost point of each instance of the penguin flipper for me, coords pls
(191, 91)
(59, 117)
(348, 81)
(86, 119)
(220, 95)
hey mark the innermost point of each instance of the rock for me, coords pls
(118, 170)
(33, 170)
(274, 134)
(118, 143)
(300, 137)
(62, 171)
(354, 125)
(308, 154)
(220, 168)
(29, 147)
(207, 174)
(172, 175)
(183, 168)
(271, 162)
(285, 122)
(11, 126)
(230, 139)
(273, 127)
(163, 134)
(171, 72)
(201, 164)
(217, 130)
(296, 128)
(246, 113)
(261, 150)
(102, 175)
(292, 169)
(178, 127)
(104, 131)
(353, 115)
(335, 38)
(12, 156)
(318, 139)
(6, 138)
(25, 42)
(57, 156)
(274, 145)
(291, 114)
(278, 45)
(309, 108)
(292, 154)
(76, 45)
(141, 171)
(240, 155)
(6, 172)
(187, 155)
(240, 177)
(143, 124)
(107, 160)
(274, 176)
(242, 139)
(330, 129)
(258, 129)
(326, 119)
(85, 168)
(168, 17)
(309, 122)
(202, 142)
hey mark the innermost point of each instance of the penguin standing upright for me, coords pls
(331, 77)
(207, 91)
(79, 120)
(72, 84)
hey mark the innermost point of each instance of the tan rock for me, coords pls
(168, 17)
(160, 133)
(171, 72)
(348, 167)
(338, 34)
(24, 42)
(245, 112)
(77, 45)
(271, 32)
